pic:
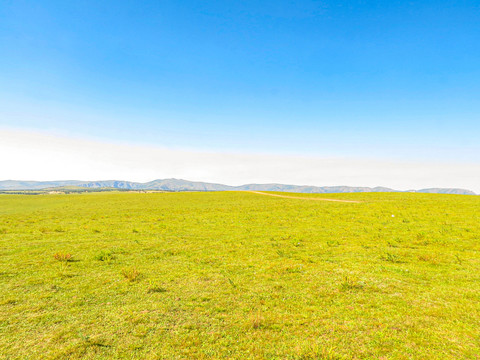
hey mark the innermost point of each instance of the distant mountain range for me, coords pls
(185, 185)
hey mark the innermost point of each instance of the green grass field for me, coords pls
(235, 275)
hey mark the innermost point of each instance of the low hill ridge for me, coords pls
(186, 185)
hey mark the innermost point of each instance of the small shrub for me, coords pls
(294, 269)
(422, 239)
(105, 256)
(131, 274)
(391, 257)
(393, 243)
(333, 243)
(59, 256)
(282, 253)
(351, 284)
(171, 252)
(155, 288)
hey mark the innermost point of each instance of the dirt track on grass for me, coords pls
(304, 198)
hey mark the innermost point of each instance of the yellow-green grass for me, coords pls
(234, 275)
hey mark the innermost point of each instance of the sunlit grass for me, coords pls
(239, 276)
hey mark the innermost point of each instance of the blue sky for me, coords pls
(389, 79)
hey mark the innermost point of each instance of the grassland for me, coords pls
(63, 190)
(239, 276)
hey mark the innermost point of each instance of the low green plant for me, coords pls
(394, 258)
(105, 255)
(333, 243)
(153, 287)
(351, 283)
(131, 274)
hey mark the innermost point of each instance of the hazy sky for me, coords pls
(388, 89)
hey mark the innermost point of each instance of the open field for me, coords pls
(60, 190)
(303, 197)
(232, 275)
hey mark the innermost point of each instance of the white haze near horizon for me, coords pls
(30, 155)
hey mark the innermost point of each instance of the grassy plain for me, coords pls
(236, 275)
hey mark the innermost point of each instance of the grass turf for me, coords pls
(237, 275)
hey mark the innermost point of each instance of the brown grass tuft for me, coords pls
(59, 256)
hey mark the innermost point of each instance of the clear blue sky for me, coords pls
(342, 78)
